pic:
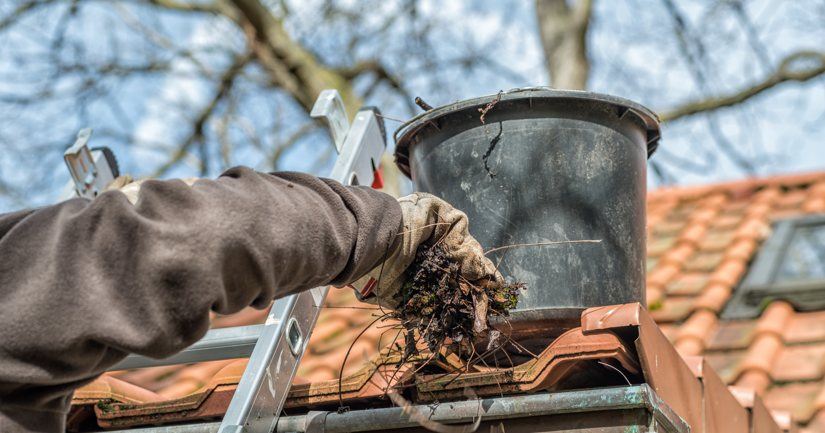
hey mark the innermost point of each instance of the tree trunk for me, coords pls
(563, 31)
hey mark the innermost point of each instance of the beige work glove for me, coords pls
(131, 187)
(427, 219)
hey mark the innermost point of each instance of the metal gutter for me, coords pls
(500, 408)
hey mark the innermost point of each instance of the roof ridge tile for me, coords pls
(751, 183)
(107, 387)
(194, 377)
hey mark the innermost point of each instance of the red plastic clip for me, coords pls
(377, 177)
(368, 288)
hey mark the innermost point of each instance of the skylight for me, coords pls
(789, 267)
(804, 259)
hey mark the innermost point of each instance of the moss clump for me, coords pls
(105, 406)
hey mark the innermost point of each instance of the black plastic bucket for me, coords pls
(545, 166)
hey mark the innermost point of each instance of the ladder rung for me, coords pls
(210, 427)
(221, 343)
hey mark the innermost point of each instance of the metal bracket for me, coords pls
(329, 107)
(91, 170)
(316, 422)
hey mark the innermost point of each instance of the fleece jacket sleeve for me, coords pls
(85, 282)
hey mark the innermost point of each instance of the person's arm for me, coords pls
(83, 283)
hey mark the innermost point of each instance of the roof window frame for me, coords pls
(760, 287)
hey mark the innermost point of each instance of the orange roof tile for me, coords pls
(782, 353)
(701, 240)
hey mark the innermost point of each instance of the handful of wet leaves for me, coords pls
(442, 307)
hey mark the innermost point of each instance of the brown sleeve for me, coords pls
(83, 282)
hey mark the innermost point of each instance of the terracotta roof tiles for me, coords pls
(732, 335)
(805, 327)
(781, 352)
(688, 283)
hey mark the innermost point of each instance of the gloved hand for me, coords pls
(427, 219)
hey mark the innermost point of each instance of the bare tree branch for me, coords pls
(290, 65)
(382, 74)
(693, 50)
(297, 71)
(199, 125)
(182, 6)
(22, 10)
(159, 39)
(289, 142)
(753, 37)
(784, 73)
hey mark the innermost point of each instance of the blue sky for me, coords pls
(634, 54)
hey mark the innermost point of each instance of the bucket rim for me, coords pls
(403, 135)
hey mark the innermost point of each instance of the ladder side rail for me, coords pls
(264, 386)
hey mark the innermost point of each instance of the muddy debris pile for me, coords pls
(439, 307)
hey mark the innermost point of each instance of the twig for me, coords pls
(489, 106)
(400, 363)
(518, 345)
(394, 119)
(539, 244)
(344, 362)
(198, 133)
(620, 371)
(424, 106)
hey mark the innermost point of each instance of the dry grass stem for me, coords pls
(541, 244)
